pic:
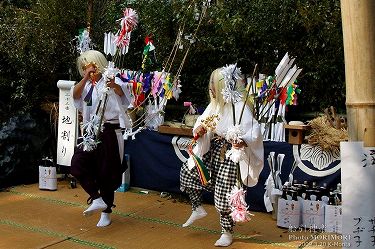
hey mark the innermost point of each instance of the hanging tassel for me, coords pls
(223, 151)
(208, 123)
(235, 134)
(204, 175)
(89, 139)
(238, 204)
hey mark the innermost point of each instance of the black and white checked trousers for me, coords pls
(223, 177)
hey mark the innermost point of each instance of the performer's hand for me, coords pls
(200, 131)
(239, 145)
(89, 71)
(117, 88)
(111, 83)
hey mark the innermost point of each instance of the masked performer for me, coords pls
(98, 165)
(211, 147)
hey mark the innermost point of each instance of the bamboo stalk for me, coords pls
(247, 94)
(358, 23)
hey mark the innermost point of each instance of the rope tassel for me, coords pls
(238, 204)
(204, 175)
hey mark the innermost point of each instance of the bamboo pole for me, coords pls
(358, 24)
(90, 4)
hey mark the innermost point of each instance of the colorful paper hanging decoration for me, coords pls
(127, 23)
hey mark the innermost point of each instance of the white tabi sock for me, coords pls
(225, 240)
(97, 205)
(197, 214)
(105, 220)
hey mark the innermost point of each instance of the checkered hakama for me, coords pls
(223, 174)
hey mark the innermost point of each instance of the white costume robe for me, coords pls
(116, 105)
(250, 167)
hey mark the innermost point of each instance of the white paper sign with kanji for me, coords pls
(333, 219)
(66, 135)
(358, 199)
(288, 214)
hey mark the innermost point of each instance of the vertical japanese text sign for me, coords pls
(358, 199)
(66, 137)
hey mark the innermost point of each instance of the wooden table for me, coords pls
(180, 131)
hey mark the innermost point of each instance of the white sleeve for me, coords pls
(253, 165)
(78, 103)
(126, 89)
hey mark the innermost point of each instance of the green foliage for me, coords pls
(154, 18)
(21, 148)
(37, 47)
(250, 32)
(35, 52)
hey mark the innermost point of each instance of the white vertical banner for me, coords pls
(66, 136)
(358, 199)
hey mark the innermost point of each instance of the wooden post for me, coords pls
(358, 24)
